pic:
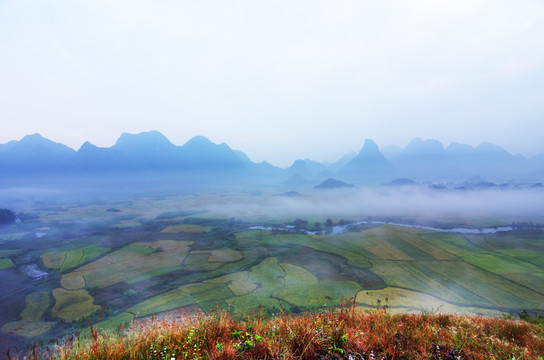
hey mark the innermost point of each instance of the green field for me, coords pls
(135, 262)
(5, 263)
(66, 260)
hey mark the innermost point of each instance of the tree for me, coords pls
(7, 216)
(300, 224)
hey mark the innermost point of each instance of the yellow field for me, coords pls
(73, 281)
(54, 260)
(240, 283)
(403, 300)
(72, 305)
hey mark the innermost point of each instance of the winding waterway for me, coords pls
(340, 229)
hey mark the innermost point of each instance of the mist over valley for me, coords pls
(264, 180)
(147, 227)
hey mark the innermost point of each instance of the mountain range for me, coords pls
(152, 152)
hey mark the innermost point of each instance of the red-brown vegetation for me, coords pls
(345, 333)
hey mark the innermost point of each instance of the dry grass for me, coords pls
(345, 333)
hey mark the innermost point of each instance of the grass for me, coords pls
(5, 263)
(343, 333)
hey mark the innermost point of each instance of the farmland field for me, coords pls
(79, 262)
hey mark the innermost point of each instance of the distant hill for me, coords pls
(291, 194)
(423, 158)
(92, 158)
(35, 153)
(147, 152)
(368, 166)
(306, 168)
(333, 184)
(201, 153)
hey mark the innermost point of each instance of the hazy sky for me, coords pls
(278, 80)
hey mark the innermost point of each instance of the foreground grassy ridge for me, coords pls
(343, 333)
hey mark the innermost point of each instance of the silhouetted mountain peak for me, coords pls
(145, 141)
(370, 151)
(332, 183)
(300, 164)
(199, 141)
(369, 164)
(418, 147)
(87, 146)
(201, 152)
(36, 143)
(33, 139)
(370, 148)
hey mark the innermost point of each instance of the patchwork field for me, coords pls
(120, 262)
(66, 260)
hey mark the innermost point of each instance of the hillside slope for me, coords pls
(346, 333)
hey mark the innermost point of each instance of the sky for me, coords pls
(279, 80)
